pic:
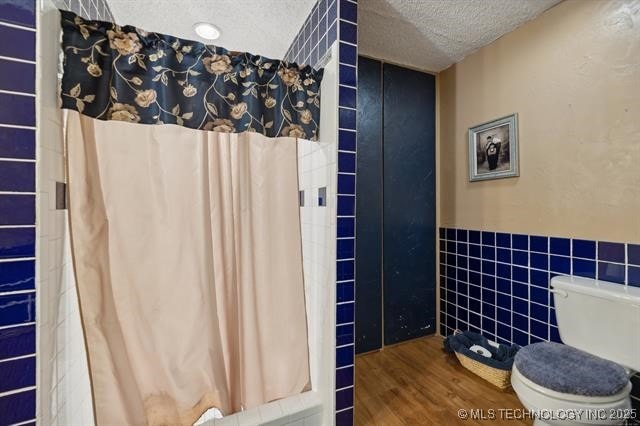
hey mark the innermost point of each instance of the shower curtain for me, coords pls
(185, 227)
(187, 252)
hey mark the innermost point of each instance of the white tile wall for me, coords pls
(88, 9)
(317, 169)
(64, 392)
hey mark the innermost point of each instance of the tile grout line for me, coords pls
(6, 327)
(15, 93)
(17, 27)
(15, 391)
(16, 358)
(16, 292)
(12, 59)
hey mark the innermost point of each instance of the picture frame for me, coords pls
(493, 149)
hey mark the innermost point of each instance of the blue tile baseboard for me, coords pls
(497, 284)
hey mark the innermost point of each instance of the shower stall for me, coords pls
(63, 386)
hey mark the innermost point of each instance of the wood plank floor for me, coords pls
(417, 383)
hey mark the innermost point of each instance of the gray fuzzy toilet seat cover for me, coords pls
(569, 370)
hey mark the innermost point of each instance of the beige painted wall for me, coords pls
(573, 77)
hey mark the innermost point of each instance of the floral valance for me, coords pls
(114, 72)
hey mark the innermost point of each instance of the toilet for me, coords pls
(585, 380)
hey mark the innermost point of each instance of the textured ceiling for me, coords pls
(434, 34)
(263, 27)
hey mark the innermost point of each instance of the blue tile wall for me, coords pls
(17, 242)
(344, 377)
(18, 407)
(345, 291)
(17, 76)
(18, 13)
(332, 20)
(23, 42)
(17, 110)
(497, 284)
(512, 272)
(17, 176)
(17, 341)
(17, 276)
(17, 142)
(17, 309)
(344, 335)
(17, 373)
(17, 211)
(316, 35)
(18, 201)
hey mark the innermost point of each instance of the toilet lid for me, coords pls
(569, 370)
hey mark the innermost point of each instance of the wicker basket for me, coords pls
(495, 376)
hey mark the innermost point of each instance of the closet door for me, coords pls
(409, 204)
(369, 207)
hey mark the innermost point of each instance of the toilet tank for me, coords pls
(599, 317)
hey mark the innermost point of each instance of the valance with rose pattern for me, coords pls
(114, 72)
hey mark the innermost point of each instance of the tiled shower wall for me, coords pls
(317, 181)
(497, 284)
(332, 20)
(33, 253)
(64, 392)
(89, 9)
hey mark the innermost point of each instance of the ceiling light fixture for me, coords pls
(206, 31)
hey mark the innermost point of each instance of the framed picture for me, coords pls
(493, 149)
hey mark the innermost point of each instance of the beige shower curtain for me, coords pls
(188, 259)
